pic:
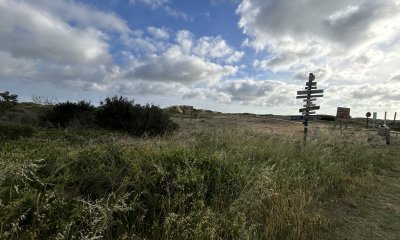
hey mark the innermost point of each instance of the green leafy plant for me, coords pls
(7, 101)
(15, 131)
(68, 113)
(119, 113)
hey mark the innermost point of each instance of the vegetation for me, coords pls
(64, 114)
(7, 101)
(119, 113)
(15, 131)
(219, 177)
(200, 183)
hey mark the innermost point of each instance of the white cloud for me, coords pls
(349, 45)
(216, 48)
(188, 61)
(314, 22)
(159, 33)
(175, 66)
(29, 32)
(86, 16)
(247, 92)
(154, 4)
(165, 5)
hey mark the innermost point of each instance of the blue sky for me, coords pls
(223, 55)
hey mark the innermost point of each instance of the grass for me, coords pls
(206, 181)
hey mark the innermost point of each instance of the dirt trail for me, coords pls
(378, 216)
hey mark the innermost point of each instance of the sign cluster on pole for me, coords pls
(309, 96)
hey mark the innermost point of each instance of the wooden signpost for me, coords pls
(310, 95)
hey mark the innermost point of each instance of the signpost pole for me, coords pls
(308, 96)
(368, 114)
(394, 119)
(385, 119)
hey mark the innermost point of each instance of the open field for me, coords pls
(220, 176)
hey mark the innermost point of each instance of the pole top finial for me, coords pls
(311, 77)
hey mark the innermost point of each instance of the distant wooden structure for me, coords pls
(186, 111)
(342, 114)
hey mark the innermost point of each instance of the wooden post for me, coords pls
(385, 119)
(394, 119)
(307, 95)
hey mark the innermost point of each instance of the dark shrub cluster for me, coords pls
(327, 117)
(69, 113)
(119, 113)
(7, 101)
(15, 131)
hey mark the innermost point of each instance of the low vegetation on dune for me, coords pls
(201, 182)
(87, 175)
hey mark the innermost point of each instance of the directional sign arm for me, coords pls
(309, 108)
(311, 83)
(309, 96)
(310, 91)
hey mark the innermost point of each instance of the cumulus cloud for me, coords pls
(164, 4)
(395, 77)
(337, 34)
(176, 67)
(345, 22)
(189, 61)
(159, 33)
(217, 48)
(151, 88)
(27, 31)
(248, 91)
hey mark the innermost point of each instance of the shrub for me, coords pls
(14, 131)
(68, 113)
(119, 113)
(7, 101)
(327, 117)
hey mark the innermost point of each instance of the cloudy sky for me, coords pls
(223, 55)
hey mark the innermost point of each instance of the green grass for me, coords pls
(200, 183)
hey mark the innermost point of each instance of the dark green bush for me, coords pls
(327, 117)
(7, 101)
(14, 131)
(69, 113)
(119, 113)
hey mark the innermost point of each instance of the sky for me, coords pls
(222, 55)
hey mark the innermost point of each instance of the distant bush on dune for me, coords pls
(69, 113)
(119, 113)
(15, 131)
(7, 101)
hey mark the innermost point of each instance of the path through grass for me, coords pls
(377, 215)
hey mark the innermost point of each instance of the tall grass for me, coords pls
(208, 183)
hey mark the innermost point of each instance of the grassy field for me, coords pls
(220, 176)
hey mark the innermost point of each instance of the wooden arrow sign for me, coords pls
(311, 83)
(309, 100)
(309, 108)
(309, 105)
(308, 113)
(308, 88)
(311, 96)
(310, 91)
